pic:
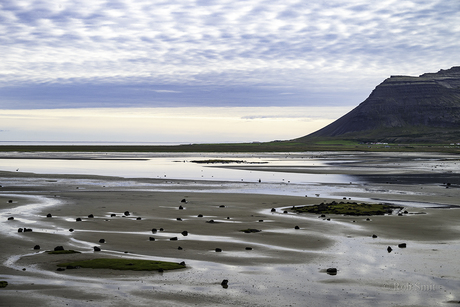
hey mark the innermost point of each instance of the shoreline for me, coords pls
(284, 267)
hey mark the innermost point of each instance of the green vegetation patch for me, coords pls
(214, 161)
(125, 264)
(347, 208)
(250, 230)
(3, 284)
(66, 251)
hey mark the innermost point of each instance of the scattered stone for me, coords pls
(248, 248)
(296, 227)
(71, 229)
(154, 230)
(138, 218)
(20, 229)
(182, 263)
(273, 210)
(184, 233)
(368, 219)
(27, 229)
(374, 236)
(161, 229)
(210, 221)
(173, 239)
(224, 283)
(261, 221)
(322, 215)
(179, 248)
(183, 200)
(331, 271)
(10, 218)
(37, 247)
(97, 249)
(179, 219)
(389, 249)
(222, 206)
(102, 241)
(113, 215)
(160, 270)
(218, 250)
(78, 219)
(285, 212)
(10, 201)
(49, 215)
(58, 248)
(200, 215)
(251, 230)
(402, 245)
(126, 213)
(90, 216)
(60, 269)
(181, 208)
(228, 217)
(151, 239)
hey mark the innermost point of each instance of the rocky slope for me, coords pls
(404, 109)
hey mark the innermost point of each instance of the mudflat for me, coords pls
(283, 262)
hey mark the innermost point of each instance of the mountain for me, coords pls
(403, 109)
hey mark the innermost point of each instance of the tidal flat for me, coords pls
(147, 206)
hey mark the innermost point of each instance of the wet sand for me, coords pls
(284, 267)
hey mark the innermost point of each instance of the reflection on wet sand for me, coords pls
(284, 264)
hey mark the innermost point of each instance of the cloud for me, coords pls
(315, 47)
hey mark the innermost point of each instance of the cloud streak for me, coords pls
(218, 52)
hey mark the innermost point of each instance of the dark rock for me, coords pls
(218, 250)
(10, 201)
(71, 229)
(322, 215)
(59, 248)
(210, 221)
(161, 229)
(97, 249)
(248, 248)
(184, 233)
(296, 227)
(27, 229)
(374, 236)
(78, 219)
(224, 283)
(402, 245)
(251, 230)
(151, 239)
(179, 248)
(368, 219)
(181, 208)
(127, 213)
(20, 229)
(102, 241)
(113, 215)
(154, 230)
(261, 221)
(10, 218)
(200, 215)
(273, 210)
(179, 219)
(160, 270)
(138, 218)
(389, 249)
(90, 216)
(331, 271)
(60, 269)
(37, 247)
(182, 263)
(173, 239)
(285, 212)
(183, 200)
(221, 206)
(49, 215)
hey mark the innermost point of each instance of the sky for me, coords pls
(207, 70)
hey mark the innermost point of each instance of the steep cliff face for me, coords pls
(403, 108)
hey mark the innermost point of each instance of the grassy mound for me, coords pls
(70, 251)
(348, 208)
(124, 264)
